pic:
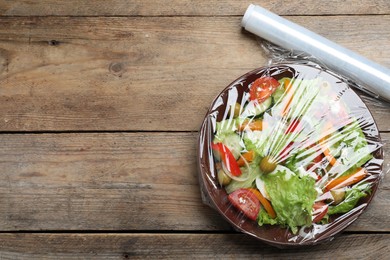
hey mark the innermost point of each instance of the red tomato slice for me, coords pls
(262, 88)
(246, 201)
(319, 211)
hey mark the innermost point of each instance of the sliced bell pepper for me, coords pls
(266, 204)
(227, 158)
(254, 125)
(289, 97)
(248, 156)
(347, 180)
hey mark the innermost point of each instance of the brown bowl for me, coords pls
(215, 195)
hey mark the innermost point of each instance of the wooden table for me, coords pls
(100, 107)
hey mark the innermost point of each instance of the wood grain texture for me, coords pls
(188, 7)
(182, 246)
(110, 181)
(154, 67)
(71, 73)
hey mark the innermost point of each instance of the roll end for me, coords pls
(247, 14)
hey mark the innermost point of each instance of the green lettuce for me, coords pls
(292, 198)
(264, 218)
(255, 140)
(353, 148)
(352, 197)
(253, 171)
(224, 128)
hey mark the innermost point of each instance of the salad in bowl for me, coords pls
(289, 154)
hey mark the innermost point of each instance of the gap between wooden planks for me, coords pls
(142, 73)
(199, 246)
(118, 181)
(188, 7)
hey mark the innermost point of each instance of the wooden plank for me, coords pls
(64, 73)
(103, 181)
(182, 246)
(187, 7)
(118, 181)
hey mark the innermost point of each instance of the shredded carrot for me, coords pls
(330, 157)
(248, 156)
(266, 204)
(324, 147)
(347, 180)
(289, 96)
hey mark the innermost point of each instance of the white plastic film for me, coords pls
(267, 25)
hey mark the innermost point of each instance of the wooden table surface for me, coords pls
(100, 107)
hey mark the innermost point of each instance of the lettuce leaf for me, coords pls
(353, 149)
(263, 218)
(352, 197)
(292, 198)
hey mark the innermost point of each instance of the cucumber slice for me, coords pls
(278, 94)
(255, 109)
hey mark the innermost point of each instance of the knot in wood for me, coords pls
(54, 43)
(116, 68)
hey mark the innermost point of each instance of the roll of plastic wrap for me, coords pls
(289, 35)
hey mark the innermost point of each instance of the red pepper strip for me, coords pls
(319, 211)
(227, 158)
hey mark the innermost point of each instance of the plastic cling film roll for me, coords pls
(286, 34)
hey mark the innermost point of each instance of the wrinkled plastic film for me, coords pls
(277, 54)
(296, 144)
(369, 76)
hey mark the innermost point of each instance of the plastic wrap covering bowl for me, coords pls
(289, 154)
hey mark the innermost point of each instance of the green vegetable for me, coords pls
(292, 197)
(291, 187)
(267, 165)
(263, 218)
(352, 197)
(253, 172)
(353, 148)
(223, 178)
(232, 141)
(278, 94)
(223, 128)
(255, 109)
(254, 140)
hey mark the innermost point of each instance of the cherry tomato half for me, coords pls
(319, 211)
(246, 201)
(262, 88)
